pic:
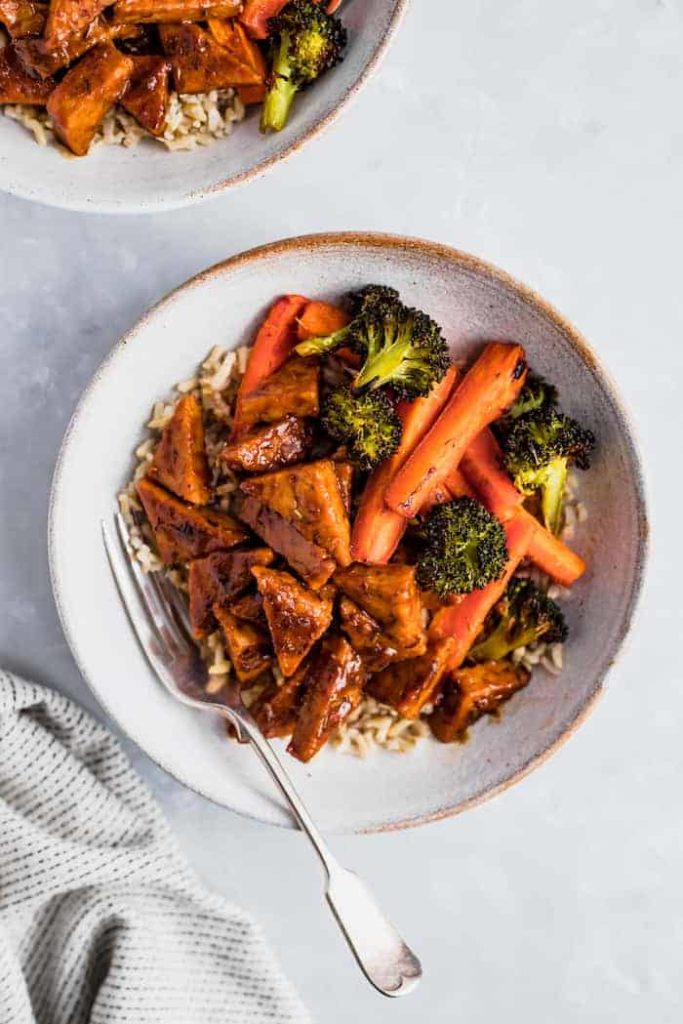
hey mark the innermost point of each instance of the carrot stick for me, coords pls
(482, 465)
(377, 530)
(554, 557)
(458, 486)
(273, 344)
(486, 391)
(319, 319)
(464, 619)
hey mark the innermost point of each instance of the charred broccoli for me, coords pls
(306, 42)
(358, 303)
(523, 616)
(538, 450)
(402, 347)
(536, 394)
(368, 424)
(464, 548)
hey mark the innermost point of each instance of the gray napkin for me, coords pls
(101, 919)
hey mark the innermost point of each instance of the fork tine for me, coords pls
(143, 626)
(178, 605)
(165, 623)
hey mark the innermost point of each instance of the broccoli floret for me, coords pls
(538, 450)
(402, 347)
(368, 424)
(464, 548)
(306, 42)
(523, 616)
(536, 394)
(358, 304)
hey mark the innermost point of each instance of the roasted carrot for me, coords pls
(320, 318)
(463, 620)
(272, 346)
(377, 530)
(554, 557)
(486, 391)
(457, 486)
(257, 14)
(482, 465)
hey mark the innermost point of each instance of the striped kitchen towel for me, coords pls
(101, 919)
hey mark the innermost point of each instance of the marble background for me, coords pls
(547, 138)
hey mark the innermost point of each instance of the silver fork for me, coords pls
(158, 615)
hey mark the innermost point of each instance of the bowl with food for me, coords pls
(135, 106)
(401, 502)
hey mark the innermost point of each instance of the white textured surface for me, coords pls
(546, 139)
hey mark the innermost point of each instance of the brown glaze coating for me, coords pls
(296, 616)
(88, 91)
(307, 558)
(277, 708)
(183, 532)
(250, 608)
(409, 685)
(365, 634)
(389, 594)
(219, 579)
(248, 646)
(46, 58)
(473, 692)
(269, 447)
(199, 64)
(333, 689)
(23, 18)
(179, 461)
(67, 18)
(146, 97)
(293, 390)
(309, 498)
(17, 85)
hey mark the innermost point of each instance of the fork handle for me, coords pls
(385, 959)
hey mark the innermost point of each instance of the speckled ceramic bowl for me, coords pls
(474, 302)
(147, 178)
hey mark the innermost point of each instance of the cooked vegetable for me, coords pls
(333, 689)
(80, 102)
(464, 620)
(523, 616)
(306, 42)
(17, 85)
(538, 450)
(368, 424)
(219, 579)
(318, 320)
(199, 63)
(179, 461)
(489, 387)
(554, 557)
(343, 329)
(297, 617)
(149, 11)
(146, 97)
(536, 394)
(472, 692)
(464, 548)
(183, 532)
(377, 529)
(271, 446)
(409, 685)
(402, 347)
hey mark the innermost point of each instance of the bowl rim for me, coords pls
(45, 197)
(397, 244)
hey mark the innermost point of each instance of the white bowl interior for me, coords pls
(148, 177)
(222, 307)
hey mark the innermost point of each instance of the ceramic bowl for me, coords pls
(147, 178)
(474, 302)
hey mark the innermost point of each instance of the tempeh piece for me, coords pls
(199, 63)
(146, 97)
